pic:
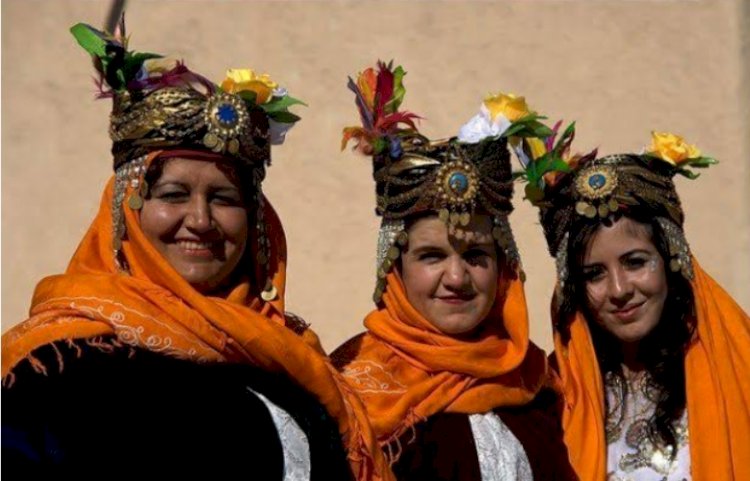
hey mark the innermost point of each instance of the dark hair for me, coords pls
(662, 351)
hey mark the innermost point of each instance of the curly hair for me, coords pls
(662, 351)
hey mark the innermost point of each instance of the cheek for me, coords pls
(158, 219)
(419, 280)
(486, 280)
(234, 224)
(596, 294)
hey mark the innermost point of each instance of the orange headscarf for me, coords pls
(407, 370)
(155, 308)
(717, 372)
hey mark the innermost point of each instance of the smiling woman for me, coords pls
(652, 353)
(196, 215)
(164, 347)
(452, 385)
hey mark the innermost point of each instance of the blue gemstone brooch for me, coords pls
(226, 119)
(594, 186)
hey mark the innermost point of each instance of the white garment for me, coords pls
(294, 442)
(631, 454)
(501, 456)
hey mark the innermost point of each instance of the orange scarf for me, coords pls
(156, 309)
(407, 370)
(717, 371)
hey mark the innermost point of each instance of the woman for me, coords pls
(164, 348)
(451, 383)
(654, 356)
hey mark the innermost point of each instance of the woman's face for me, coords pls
(451, 274)
(196, 218)
(625, 280)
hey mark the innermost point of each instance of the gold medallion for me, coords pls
(135, 202)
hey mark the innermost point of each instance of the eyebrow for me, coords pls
(623, 256)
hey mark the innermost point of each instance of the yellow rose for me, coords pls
(512, 107)
(672, 148)
(243, 79)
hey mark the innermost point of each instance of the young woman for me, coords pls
(164, 348)
(451, 383)
(654, 356)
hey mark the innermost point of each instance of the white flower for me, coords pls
(278, 131)
(481, 126)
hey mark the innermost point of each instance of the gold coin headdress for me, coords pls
(454, 178)
(570, 190)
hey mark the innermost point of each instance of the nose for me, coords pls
(620, 288)
(198, 217)
(455, 275)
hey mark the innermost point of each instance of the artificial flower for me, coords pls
(482, 126)
(508, 105)
(672, 148)
(244, 79)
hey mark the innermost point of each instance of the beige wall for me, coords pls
(621, 68)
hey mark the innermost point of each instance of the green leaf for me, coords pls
(92, 40)
(398, 90)
(284, 117)
(248, 96)
(559, 165)
(533, 192)
(379, 145)
(134, 61)
(513, 130)
(702, 162)
(688, 173)
(281, 103)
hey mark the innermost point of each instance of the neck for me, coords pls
(630, 362)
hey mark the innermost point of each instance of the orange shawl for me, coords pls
(156, 309)
(717, 371)
(407, 370)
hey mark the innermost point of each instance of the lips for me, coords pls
(629, 312)
(455, 300)
(196, 248)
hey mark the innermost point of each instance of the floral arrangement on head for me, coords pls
(503, 115)
(546, 160)
(378, 97)
(126, 72)
(380, 93)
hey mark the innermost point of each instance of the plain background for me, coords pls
(621, 68)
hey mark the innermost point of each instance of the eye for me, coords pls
(431, 256)
(173, 196)
(593, 274)
(474, 256)
(635, 262)
(227, 199)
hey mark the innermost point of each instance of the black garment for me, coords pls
(135, 414)
(443, 448)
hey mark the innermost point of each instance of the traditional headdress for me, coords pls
(454, 177)
(573, 189)
(160, 104)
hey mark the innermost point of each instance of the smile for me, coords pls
(628, 313)
(456, 300)
(196, 248)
